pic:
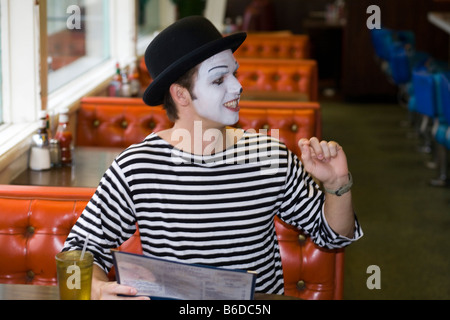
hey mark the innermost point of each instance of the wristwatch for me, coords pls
(344, 189)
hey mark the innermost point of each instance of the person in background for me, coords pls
(203, 192)
(259, 15)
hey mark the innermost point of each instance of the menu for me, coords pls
(163, 279)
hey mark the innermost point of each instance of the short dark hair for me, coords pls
(186, 81)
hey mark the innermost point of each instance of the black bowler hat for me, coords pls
(179, 48)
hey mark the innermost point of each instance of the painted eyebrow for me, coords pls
(218, 67)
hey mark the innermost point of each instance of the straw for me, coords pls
(84, 247)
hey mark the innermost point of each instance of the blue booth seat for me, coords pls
(428, 103)
(425, 93)
(424, 89)
(445, 96)
(395, 50)
(382, 40)
(442, 133)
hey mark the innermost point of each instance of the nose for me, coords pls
(236, 87)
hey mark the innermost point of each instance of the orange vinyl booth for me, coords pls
(35, 221)
(284, 76)
(120, 122)
(270, 76)
(274, 46)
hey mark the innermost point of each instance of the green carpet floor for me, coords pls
(406, 222)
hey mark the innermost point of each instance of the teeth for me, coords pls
(232, 104)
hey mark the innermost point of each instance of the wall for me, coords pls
(362, 77)
(289, 14)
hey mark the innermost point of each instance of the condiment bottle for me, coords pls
(64, 136)
(55, 153)
(40, 151)
(114, 88)
(126, 87)
(134, 80)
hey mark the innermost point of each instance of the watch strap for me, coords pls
(344, 189)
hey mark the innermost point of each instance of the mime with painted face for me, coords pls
(203, 192)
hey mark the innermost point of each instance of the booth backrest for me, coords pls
(117, 122)
(263, 74)
(120, 122)
(35, 221)
(274, 47)
(279, 75)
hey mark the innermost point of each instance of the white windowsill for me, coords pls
(15, 138)
(14, 145)
(71, 93)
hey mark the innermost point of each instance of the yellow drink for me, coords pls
(74, 276)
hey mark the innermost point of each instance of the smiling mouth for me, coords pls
(232, 105)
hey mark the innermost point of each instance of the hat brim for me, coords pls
(154, 94)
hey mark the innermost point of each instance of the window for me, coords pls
(78, 38)
(147, 17)
(105, 27)
(1, 84)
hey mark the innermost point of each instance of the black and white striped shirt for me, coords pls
(213, 210)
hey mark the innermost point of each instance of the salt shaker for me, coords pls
(40, 153)
(40, 146)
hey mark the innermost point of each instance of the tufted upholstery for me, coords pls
(293, 120)
(274, 47)
(35, 221)
(280, 75)
(119, 122)
(271, 75)
(310, 272)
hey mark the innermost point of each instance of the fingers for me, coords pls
(321, 150)
(307, 155)
(115, 291)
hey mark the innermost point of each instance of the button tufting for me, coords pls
(124, 124)
(301, 238)
(152, 124)
(266, 127)
(300, 285)
(30, 275)
(294, 127)
(30, 230)
(96, 123)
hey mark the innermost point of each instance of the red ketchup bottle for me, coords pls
(64, 136)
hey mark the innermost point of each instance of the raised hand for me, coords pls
(326, 161)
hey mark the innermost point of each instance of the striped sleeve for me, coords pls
(303, 207)
(108, 218)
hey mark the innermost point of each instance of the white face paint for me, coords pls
(217, 91)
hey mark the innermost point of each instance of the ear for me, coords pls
(180, 95)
